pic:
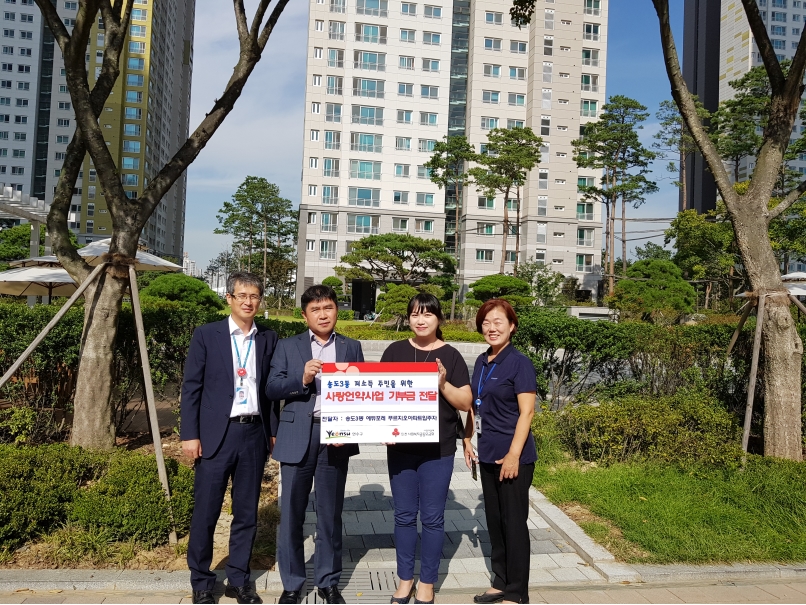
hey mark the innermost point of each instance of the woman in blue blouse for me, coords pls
(504, 386)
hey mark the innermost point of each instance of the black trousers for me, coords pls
(506, 505)
(241, 456)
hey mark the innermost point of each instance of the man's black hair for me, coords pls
(317, 293)
(245, 279)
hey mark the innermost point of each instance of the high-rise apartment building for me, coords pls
(387, 79)
(701, 19)
(145, 120)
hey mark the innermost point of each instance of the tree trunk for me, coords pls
(624, 234)
(93, 426)
(707, 294)
(518, 234)
(607, 251)
(506, 232)
(683, 180)
(782, 348)
(611, 280)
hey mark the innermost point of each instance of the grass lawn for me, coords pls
(651, 513)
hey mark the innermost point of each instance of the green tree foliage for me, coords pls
(512, 289)
(674, 142)
(509, 155)
(264, 226)
(448, 169)
(652, 251)
(611, 145)
(394, 301)
(653, 287)
(335, 283)
(184, 289)
(545, 283)
(394, 258)
(15, 243)
(704, 245)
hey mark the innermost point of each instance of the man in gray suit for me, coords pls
(295, 427)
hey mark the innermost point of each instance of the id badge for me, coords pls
(240, 395)
(477, 423)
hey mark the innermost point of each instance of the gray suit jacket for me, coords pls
(291, 424)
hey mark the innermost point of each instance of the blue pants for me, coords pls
(323, 465)
(419, 484)
(242, 456)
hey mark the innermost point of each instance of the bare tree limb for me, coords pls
(55, 24)
(792, 197)
(796, 70)
(85, 18)
(251, 52)
(240, 21)
(688, 109)
(76, 150)
(269, 28)
(764, 45)
(254, 31)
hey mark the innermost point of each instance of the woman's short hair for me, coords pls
(426, 303)
(496, 303)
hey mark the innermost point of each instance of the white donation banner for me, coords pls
(380, 402)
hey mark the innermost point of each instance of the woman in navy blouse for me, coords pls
(504, 386)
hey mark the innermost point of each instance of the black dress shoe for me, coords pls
(290, 596)
(489, 597)
(203, 596)
(242, 594)
(331, 594)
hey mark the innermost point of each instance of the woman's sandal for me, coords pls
(406, 599)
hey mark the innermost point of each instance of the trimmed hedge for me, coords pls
(688, 428)
(46, 486)
(128, 501)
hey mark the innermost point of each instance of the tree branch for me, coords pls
(269, 28)
(76, 150)
(254, 31)
(796, 70)
(85, 18)
(792, 197)
(764, 45)
(240, 21)
(55, 23)
(687, 107)
(168, 175)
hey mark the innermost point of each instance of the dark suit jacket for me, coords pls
(209, 384)
(292, 424)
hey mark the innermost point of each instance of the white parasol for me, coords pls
(37, 281)
(93, 252)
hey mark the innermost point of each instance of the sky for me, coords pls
(263, 134)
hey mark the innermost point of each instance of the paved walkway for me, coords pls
(782, 591)
(369, 532)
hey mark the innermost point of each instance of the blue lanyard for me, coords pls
(238, 353)
(483, 381)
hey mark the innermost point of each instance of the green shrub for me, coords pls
(128, 500)
(284, 329)
(298, 313)
(346, 315)
(184, 289)
(38, 485)
(378, 332)
(690, 427)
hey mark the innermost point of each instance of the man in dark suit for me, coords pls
(296, 378)
(225, 429)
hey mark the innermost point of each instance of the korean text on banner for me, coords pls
(380, 403)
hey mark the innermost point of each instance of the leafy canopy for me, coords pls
(396, 258)
(653, 285)
(182, 288)
(512, 289)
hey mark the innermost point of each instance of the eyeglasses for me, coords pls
(244, 297)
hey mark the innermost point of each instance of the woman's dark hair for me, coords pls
(496, 303)
(427, 303)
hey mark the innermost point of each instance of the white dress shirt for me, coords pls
(326, 353)
(250, 408)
